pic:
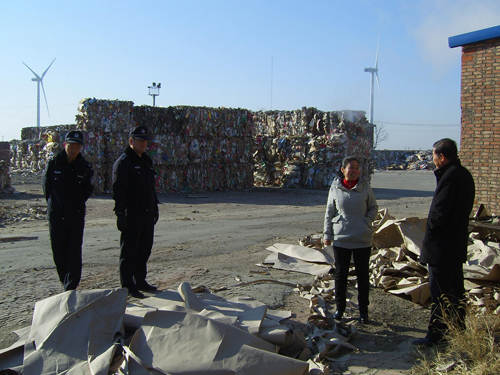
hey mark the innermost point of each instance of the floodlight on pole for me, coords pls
(154, 91)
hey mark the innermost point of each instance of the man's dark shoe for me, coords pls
(424, 342)
(146, 287)
(338, 314)
(135, 293)
(363, 318)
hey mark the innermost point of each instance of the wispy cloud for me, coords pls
(444, 18)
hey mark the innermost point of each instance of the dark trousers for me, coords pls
(448, 300)
(361, 264)
(66, 236)
(135, 248)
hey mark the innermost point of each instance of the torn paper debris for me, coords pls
(218, 346)
(289, 263)
(307, 254)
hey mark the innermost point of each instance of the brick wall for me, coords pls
(480, 104)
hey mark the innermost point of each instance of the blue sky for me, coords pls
(219, 53)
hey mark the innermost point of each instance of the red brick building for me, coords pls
(480, 105)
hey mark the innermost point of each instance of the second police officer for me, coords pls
(67, 186)
(136, 209)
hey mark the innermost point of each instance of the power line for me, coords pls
(416, 124)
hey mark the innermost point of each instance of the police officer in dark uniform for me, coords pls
(136, 209)
(67, 186)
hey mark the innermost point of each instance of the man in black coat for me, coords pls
(136, 209)
(445, 242)
(67, 186)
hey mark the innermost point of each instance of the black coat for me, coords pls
(67, 186)
(134, 184)
(446, 233)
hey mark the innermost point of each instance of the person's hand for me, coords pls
(121, 222)
(327, 242)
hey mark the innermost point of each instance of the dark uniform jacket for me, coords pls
(446, 234)
(67, 186)
(134, 184)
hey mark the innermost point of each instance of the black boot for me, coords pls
(363, 317)
(338, 314)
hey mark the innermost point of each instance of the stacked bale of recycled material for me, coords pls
(5, 186)
(37, 146)
(304, 148)
(106, 124)
(193, 148)
(403, 159)
(199, 148)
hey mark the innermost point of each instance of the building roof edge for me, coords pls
(474, 37)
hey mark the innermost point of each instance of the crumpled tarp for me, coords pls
(193, 344)
(180, 332)
(74, 332)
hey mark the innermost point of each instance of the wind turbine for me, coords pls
(374, 73)
(39, 82)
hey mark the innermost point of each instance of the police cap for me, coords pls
(140, 132)
(74, 136)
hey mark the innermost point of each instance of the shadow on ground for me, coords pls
(384, 193)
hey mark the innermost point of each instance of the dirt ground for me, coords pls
(212, 239)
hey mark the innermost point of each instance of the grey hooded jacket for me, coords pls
(349, 215)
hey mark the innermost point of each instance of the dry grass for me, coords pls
(475, 351)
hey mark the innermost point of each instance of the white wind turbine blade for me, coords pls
(43, 74)
(45, 97)
(32, 71)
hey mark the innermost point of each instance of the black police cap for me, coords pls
(140, 132)
(74, 136)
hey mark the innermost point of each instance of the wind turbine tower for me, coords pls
(374, 73)
(39, 82)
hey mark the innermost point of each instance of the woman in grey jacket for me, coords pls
(350, 210)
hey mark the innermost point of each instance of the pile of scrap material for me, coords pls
(37, 146)
(193, 148)
(304, 148)
(5, 183)
(403, 159)
(326, 337)
(395, 267)
(97, 332)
